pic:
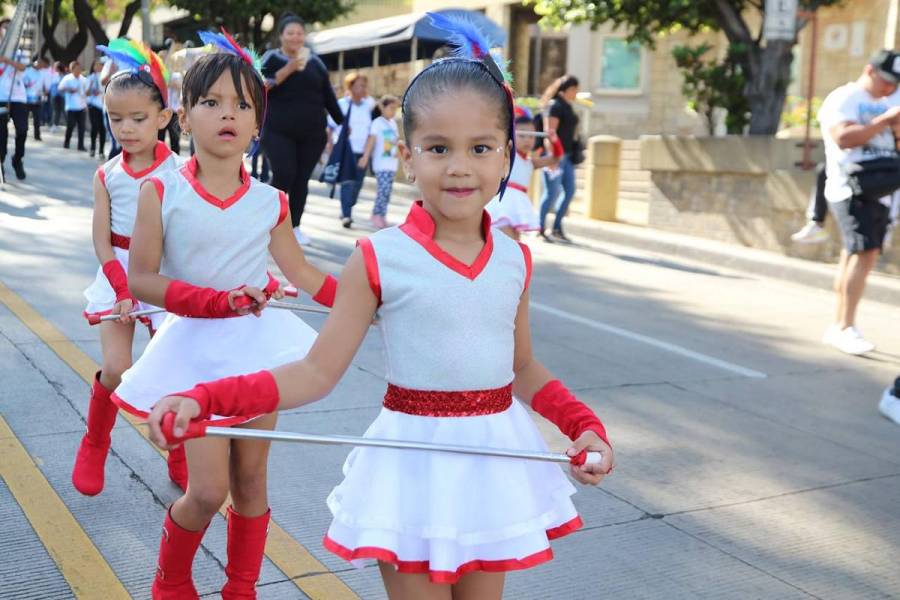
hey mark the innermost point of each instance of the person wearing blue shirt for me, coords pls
(33, 81)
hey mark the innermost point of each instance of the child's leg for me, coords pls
(188, 518)
(479, 586)
(90, 460)
(412, 586)
(248, 518)
(385, 182)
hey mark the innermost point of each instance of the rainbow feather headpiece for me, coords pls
(137, 56)
(225, 43)
(471, 44)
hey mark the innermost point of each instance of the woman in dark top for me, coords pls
(293, 135)
(561, 118)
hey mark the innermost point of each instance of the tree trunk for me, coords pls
(130, 11)
(84, 14)
(70, 51)
(769, 75)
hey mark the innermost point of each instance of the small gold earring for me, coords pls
(411, 177)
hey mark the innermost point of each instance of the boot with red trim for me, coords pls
(178, 469)
(246, 546)
(177, 548)
(88, 473)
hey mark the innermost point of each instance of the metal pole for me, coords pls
(810, 92)
(145, 22)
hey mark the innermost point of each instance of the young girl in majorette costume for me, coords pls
(452, 305)
(513, 214)
(136, 99)
(202, 239)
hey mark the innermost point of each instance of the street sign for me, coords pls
(781, 20)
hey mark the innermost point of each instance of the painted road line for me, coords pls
(290, 556)
(79, 561)
(646, 339)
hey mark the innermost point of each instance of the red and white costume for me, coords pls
(515, 209)
(219, 244)
(448, 331)
(123, 186)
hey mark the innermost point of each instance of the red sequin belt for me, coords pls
(120, 241)
(426, 403)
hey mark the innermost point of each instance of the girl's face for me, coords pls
(292, 37)
(221, 123)
(524, 143)
(389, 111)
(458, 154)
(135, 118)
(76, 70)
(98, 66)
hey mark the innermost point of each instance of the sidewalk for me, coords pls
(881, 287)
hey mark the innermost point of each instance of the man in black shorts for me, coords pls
(858, 126)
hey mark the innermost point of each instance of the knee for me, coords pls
(248, 484)
(206, 499)
(113, 368)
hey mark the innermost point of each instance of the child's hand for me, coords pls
(123, 309)
(279, 293)
(254, 293)
(591, 474)
(185, 409)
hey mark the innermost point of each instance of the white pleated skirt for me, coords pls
(515, 211)
(101, 297)
(448, 514)
(186, 351)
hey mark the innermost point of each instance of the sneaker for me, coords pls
(19, 168)
(302, 238)
(812, 233)
(560, 236)
(543, 235)
(851, 341)
(889, 406)
(346, 222)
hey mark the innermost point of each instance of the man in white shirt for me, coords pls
(74, 87)
(858, 130)
(13, 97)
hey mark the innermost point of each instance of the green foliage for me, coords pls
(795, 109)
(709, 84)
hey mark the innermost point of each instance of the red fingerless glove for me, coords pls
(241, 396)
(325, 295)
(558, 405)
(558, 149)
(117, 278)
(191, 301)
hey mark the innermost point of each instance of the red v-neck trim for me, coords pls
(189, 170)
(160, 153)
(521, 154)
(420, 227)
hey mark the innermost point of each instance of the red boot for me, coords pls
(246, 546)
(176, 555)
(178, 469)
(87, 476)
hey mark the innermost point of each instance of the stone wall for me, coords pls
(739, 190)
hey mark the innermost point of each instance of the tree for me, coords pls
(244, 17)
(714, 84)
(765, 65)
(87, 15)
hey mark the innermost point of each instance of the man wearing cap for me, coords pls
(858, 128)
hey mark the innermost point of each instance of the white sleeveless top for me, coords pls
(208, 242)
(522, 169)
(123, 185)
(446, 326)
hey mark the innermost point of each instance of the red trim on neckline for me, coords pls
(517, 186)
(189, 170)
(522, 154)
(371, 263)
(160, 153)
(419, 226)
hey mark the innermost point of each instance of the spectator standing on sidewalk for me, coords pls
(57, 98)
(359, 104)
(381, 147)
(95, 109)
(294, 132)
(74, 87)
(33, 91)
(858, 129)
(13, 98)
(560, 181)
(46, 83)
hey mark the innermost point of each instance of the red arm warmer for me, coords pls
(556, 403)
(117, 278)
(191, 301)
(558, 149)
(326, 293)
(242, 396)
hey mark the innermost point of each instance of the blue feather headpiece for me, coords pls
(471, 44)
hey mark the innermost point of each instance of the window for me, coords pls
(620, 66)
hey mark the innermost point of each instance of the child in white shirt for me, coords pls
(381, 146)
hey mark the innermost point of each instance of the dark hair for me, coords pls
(556, 88)
(524, 120)
(135, 80)
(207, 70)
(383, 103)
(289, 19)
(447, 76)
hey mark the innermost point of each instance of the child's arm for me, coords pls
(535, 385)
(100, 232)
(552, 158)
(175, 296)
(290, 385)
(290, 259)
(364, 159)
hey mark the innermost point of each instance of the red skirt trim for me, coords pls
(226, 422)
(450, 577)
